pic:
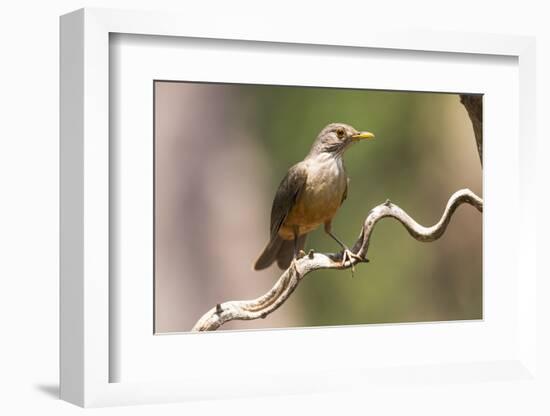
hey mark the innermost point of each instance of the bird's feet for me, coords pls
(301, 254)
(348, 255)
(293, 264)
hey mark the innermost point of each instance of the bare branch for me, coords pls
(289, 280)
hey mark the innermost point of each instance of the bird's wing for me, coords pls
(345, 194)
(289, 190)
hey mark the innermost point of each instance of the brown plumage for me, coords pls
(309, 195)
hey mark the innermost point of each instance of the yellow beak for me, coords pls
(364, 135)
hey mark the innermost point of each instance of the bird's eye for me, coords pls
(340, 133)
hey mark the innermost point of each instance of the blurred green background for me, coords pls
(249, 136)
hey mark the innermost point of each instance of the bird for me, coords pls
(309, 195)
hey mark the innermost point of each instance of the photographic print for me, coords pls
(293, 207)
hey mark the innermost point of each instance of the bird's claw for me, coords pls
(293, 265)
(349, 255)
(301, 254)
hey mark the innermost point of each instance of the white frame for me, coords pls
(138, 60)
(85, 190)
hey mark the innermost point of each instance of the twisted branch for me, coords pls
(289, 280)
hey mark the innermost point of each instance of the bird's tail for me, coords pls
(280, 250)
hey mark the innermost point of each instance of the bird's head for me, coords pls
(336, 138)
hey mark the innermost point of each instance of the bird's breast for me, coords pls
(321, 197)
